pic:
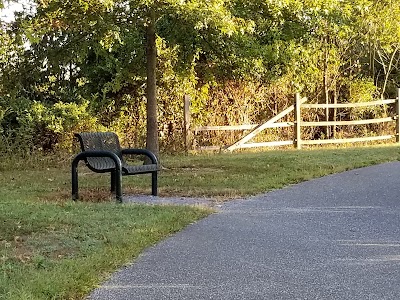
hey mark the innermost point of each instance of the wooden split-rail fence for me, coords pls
(299, 105)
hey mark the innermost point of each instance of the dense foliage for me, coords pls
(74, 65)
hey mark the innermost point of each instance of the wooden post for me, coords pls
(398, 116)
(297, 121)
(186, 123)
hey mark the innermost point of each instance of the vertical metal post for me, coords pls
(74, 172)
(154, 183)
(118, 182)
(186, 124)
(297, 121)
(398, 116)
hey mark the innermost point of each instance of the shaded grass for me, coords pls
(61, 251)
(52, 248)
(56, 249)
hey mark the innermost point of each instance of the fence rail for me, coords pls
(356, 122)
(347, 140)
(298, 141)
(297, 108)
(349, 105)
(224, 128)
(241, 127)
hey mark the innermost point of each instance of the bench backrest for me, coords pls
(106, 141)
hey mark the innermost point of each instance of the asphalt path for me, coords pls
(336, 237)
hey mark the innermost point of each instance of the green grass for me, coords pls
(231, 175)
(52, 248)
(243, 174)
(61, 251)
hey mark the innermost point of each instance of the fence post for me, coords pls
(297, 122)
(186, 122)
(398, 116)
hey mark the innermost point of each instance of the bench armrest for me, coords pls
(145, 152)
(93, 153)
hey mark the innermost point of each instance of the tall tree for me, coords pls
(66, 27)
(382, 31)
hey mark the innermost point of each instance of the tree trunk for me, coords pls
(151, 91)
(388, 72)
(335, 101)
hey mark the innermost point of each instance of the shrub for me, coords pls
(33, 125)
(56, 124)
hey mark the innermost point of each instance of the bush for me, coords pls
(56, 124)
(36, 126)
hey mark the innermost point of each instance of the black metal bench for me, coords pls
(102, 153)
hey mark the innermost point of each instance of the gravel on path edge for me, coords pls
(157, 200)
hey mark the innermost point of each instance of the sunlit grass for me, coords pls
(232, 175)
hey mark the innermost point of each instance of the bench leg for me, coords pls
(74, 172)
(154, 183)
(118, 186)
(116, 175)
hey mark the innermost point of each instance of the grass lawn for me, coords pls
(52, 248)
(242, 174)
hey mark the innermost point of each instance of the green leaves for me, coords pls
(96, 50)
